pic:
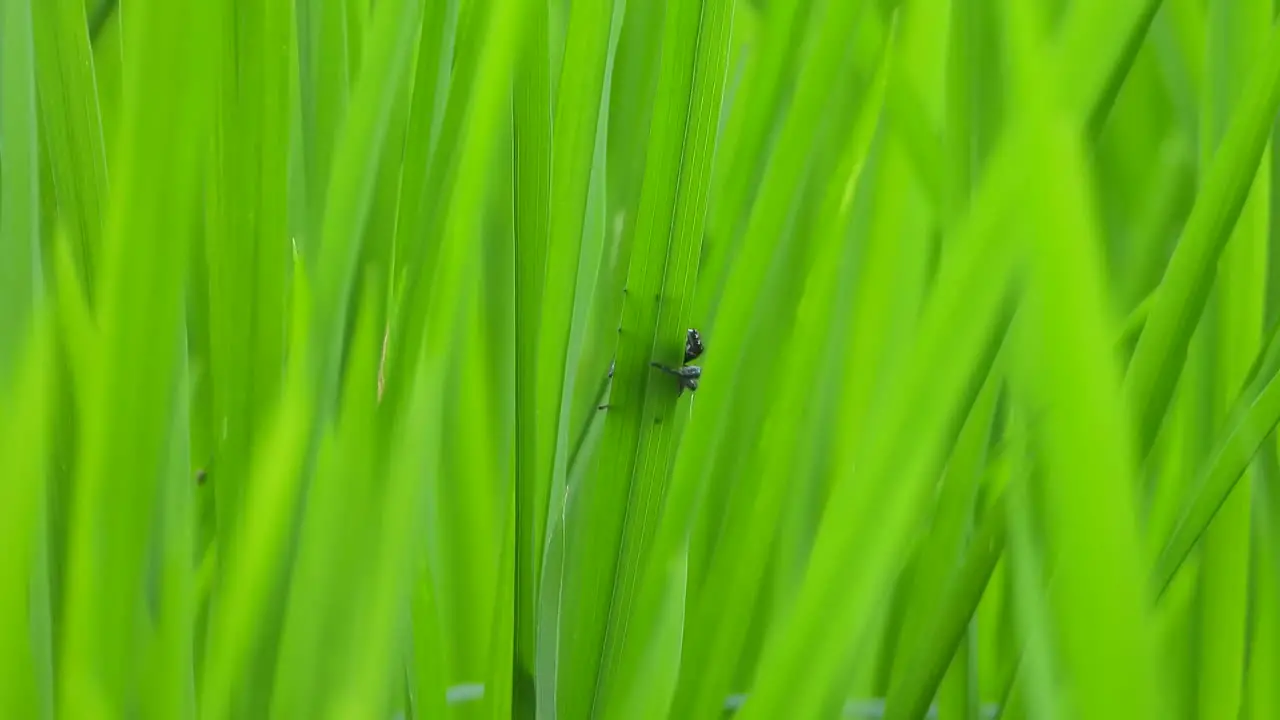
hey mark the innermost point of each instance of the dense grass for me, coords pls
(327, 333)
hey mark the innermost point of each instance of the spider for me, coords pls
(689, 375)
(692, 345)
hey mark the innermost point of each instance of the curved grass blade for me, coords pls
(352, 181)
(719, 620)
(20, 273)
(1088, 464)
(458, 263)
(759, 101)
(804, 655)
(72, 125)
(1250, 422)
(1091, 41)
(940, 554)
(532, 170)
(610, 536)
(258, 556)
(128, 408)
(246, 256)
(1182, 294)
(335, 539)
(25, 422)
(1235, 34)
(324, 92)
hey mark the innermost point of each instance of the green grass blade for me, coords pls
(576, 122)
(20, 262)
(25, 421)
(334, 542)
(532, 128)
(170, 688)
(640, 434)
(246, 256)
(941, 551)
(1253, 418)
(759, 100)
(325, 89)
(129, 403)
(1235, 35)
(1069, 376)
(457, 270)
(671, 212)
(719, 619)
(73, 125)
(652, 696)
(807, 651)
(353, 176)
(258, 557)
(1161, 349)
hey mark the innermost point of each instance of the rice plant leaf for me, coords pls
(170, 687)
(653, 697)
(751, 120)
(1235, 34)
(1091, 39)
(639, 437)
(129, 402)
(1251, 421)
(258, 558)
(458, 263)
(818, 626)
(576, 122)
(72, 124)
(720, 615)
(1161, 350)
(26, 420)
(1069, 378)
(325, 93)
(248, 256)
(532, 178)
(336, 537)
(353, 176)
(942, 551)
(20, 262)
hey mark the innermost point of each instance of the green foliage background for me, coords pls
(327, 331)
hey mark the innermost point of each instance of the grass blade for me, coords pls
(532, 128)
(129, 402)
(1161, 350)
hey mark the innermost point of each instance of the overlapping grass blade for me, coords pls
(759, 102)
(1067, 375)
(170, 690)
(1250, 422)
(259, 557)
(352, 179)
(247, 252)
(73, 127)
(719, 621)
(335, 539)
(20, 259)
(1235, 34)
(324, 92)
(942, 551)
(661, 260)
(129, 400)
(1096, 44)
(26, 421)
(1161, 350)
(532, 189)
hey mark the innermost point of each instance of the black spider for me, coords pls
(689, 375)
(692, 346)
